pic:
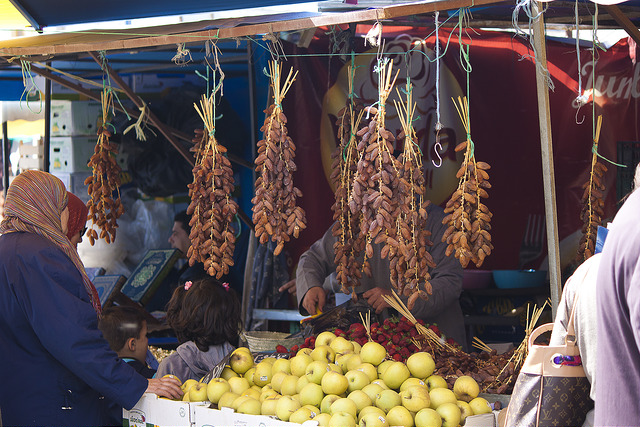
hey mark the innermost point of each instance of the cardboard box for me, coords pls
(152, 410)
(74, 182)
(71, 154)
(206, 417)
(75, 118)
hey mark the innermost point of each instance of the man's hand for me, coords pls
(375, 300)
(289, 286)
(165, 387)
(314, 299)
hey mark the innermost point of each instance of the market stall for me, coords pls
(276, 197)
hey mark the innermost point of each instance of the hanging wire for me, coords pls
(30, 86)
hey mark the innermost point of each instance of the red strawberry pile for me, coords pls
(396, 335)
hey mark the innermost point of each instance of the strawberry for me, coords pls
(339, 332)
(281, 349)
(420, 321)
(294, 349)
(362, 340)
(397, 357)
(307, 341)
(395, 339)
(436, 330)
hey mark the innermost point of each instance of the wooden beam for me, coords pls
(153, 119)
(623, 21)
(548, 175)
(221, 29)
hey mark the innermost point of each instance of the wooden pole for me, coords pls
(548, 178)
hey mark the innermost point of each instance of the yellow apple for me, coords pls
(373, 352)
(301, 415)
(250, 406)
(172, 376)
(238, 384)
(373, 420)
(216, 388)
(316, 370)
(227, 399)
(410, 382)
(241, 360)
(400, 416)
(325, 405)
(466, 388)
(276, 380)
(198, 392)
(281, 365)
(357, 380)
(369, 369)
(227, 373)
(450, 414)
(286, 406)
(354, 362)
(188, 384)
(371, 409)
(324, 353)
(381, 383)
(360, 398)
(302, 381)
(334, 383)
(325, 338)
(249, 375)
(288, 386)
(344, 405)
(435, 381)
(342, 419)
(428, 418)
(341, 361)
(421, 365)
(341, 345)
(440, 396)
(262, 374)
(268, 406)
(299, 363)
(382, 366)
(322, 419)
(372, 390)
(311, 394)
(465, 410)
(480, 405)
(251, 392)
(270, 360)
(395, 375)
(335, 368)
(268, 393)
(415, 398)
(356, 347)
(387, 399)
(305, 350)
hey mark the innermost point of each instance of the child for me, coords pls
(205, 315)
(125, 328)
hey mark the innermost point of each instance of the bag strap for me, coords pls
(547, 327)
(571, 332)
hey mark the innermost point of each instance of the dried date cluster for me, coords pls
(349, 243)
(212, 209)
(411, 261)
(104, 181)
(468, 217)
(592, 211)
(275, 213)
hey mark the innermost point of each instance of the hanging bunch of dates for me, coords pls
(411, 261)
(275, 213)
(104, 181)
(592, 212)
(469, 219)
(349, 242)
(212, 209)
(376, 181)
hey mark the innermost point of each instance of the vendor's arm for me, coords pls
(313, 268)
(58, 308)
(446, 277)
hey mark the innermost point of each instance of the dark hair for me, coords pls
(183, 218)
(208, 313)
(119, 323)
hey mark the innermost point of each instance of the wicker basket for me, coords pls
(267, 341)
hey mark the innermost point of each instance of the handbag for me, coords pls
(551, 388)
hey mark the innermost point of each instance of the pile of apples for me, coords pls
(342, 384)
(397, 336)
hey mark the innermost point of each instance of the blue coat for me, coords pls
(55, 365)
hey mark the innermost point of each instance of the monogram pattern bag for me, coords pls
(552, 389)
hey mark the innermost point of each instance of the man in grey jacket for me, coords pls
(316, 276)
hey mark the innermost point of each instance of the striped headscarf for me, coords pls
(34, 204)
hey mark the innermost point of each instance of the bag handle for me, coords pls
(571, 332)
(547, 327)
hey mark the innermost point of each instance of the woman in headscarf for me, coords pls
(55, 365)
(78, 213)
